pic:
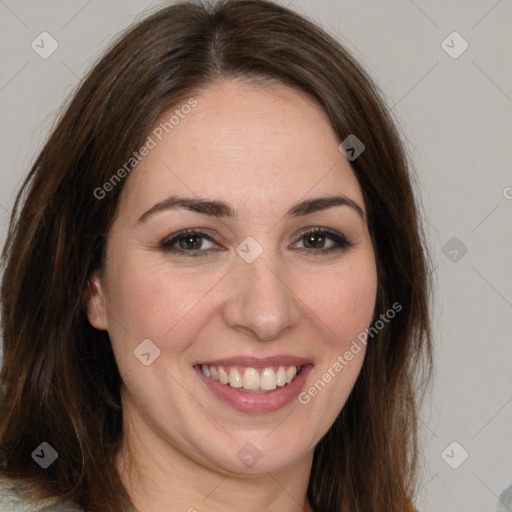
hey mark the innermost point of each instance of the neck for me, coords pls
(159, 477)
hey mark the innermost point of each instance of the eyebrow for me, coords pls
(224, 210)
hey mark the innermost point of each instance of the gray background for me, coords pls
(456, 116)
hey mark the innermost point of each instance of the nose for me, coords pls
(261, 299)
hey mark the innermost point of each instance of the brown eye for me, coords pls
(314, 241)
(189, 243)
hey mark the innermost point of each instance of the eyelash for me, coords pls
(342, 242)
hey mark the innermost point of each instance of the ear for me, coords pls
(95, 300)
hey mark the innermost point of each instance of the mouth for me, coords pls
(255, 385)
(252, 380)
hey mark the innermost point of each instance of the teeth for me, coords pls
(251, 379)
(268, 379)
(281, 377)
(291, 373)
(213, 373)
(235, 379)
(223, 376)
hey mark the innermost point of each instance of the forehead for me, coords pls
(250, 145)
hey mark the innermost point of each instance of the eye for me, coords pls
(189, 243)
(314, 241)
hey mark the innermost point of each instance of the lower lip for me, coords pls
(257, 402)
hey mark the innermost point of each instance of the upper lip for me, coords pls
(258, 362)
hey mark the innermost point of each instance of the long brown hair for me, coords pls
(59, 382)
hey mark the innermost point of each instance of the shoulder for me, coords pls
(505, 503)
(14, 497)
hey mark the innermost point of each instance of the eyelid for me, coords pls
(318, 229)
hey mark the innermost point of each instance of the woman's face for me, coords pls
(253, 293)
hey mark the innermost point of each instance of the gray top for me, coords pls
(505, 503)
(14, 497)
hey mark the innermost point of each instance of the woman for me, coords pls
(216, 284)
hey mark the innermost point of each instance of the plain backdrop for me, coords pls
(455, 112)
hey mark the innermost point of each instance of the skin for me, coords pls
(262, 149)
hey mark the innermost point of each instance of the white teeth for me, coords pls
(268, 379)
(281, 377)
(213, 373)
(223, 376)
(235, 379)
(252, 379)
(291, 373)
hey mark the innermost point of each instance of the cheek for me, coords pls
(156, 301)
(344, 301)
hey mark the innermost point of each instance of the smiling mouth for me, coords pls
(252, 380)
